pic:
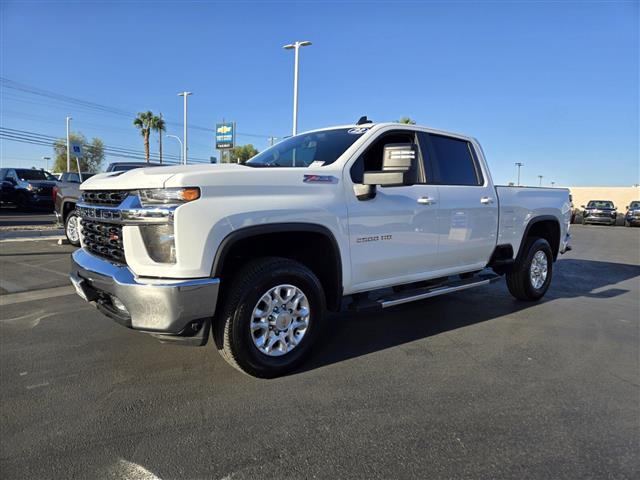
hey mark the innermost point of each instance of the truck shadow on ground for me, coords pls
(350, 335)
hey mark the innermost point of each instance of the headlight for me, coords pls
(160, 242)
(30, 187)
(168, 196)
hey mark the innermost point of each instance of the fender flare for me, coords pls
(246, 232)
(527, 229)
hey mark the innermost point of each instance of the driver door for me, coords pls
(393, 237)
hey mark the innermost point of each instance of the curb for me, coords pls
(22, 235)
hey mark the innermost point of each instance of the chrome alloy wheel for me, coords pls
(73, 229)
(538, 269)
(280, 320)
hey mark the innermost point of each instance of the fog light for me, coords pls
(115, 301)
(160, 243)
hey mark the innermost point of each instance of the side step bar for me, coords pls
(426, 292)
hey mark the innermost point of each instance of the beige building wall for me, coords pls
(620, 196)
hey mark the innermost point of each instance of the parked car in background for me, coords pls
(27, 188)
(74, 177)
(632, 217)
(67, 192)
(599, 211)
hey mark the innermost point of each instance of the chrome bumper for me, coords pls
(161, 306)
(600, 219)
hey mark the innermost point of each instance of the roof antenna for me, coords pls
(363, 120)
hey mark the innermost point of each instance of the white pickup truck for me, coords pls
(359, 216)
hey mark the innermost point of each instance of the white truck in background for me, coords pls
(324, 220)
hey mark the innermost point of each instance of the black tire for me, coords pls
(232, 333)
(72, 217)
(519, 280)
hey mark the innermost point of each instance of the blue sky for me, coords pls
(551, 84)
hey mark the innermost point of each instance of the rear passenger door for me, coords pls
(468, 207)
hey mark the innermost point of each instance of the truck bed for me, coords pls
(519, 204)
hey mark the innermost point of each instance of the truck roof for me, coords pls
(378, 125)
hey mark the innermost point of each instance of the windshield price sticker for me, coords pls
(357, 131)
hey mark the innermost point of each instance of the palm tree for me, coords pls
(158, 125)
(407, 121)
(144, 122)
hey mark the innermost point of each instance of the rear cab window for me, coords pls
(451, 160)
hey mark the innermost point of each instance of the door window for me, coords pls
(11, 175)
(371, 159)
(452, 161)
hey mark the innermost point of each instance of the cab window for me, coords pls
(371, 159)
(452, 161)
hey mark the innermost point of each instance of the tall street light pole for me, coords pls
(181, 146)
(46, 163)
(540, 178)
(68, 147)
(185, 148)
(296, 48)
(519, 165)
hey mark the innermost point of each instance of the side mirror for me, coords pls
(399, 166)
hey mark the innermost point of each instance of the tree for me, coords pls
(407, 121)
(159, 126)
(93, 154)
(144, 123)
(242, 153)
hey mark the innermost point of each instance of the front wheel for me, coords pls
(271, 316)
(531, 276)
(72, 228)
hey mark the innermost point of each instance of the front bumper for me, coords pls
(181, 308)
(605, 220)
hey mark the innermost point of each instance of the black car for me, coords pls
(632, 217)
(599, 211)
(27, 188)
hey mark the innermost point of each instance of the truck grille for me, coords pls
(103, 239)
(101, 197)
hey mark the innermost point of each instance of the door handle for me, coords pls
(426, 201)
(486, 200)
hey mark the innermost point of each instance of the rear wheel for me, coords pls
(532, 275)
(72, 228)
(271, 316)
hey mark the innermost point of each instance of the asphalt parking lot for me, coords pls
(13, 217)
(470, 385)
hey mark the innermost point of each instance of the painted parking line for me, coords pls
(22, 297)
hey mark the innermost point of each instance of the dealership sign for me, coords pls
(225, 135)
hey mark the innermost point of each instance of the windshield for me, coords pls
(634, 205)
(126, 167)
(34, 175)
(600, 204)
(302, 150)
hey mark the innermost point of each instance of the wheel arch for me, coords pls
(543, 226)
(307, 243)
(68, 206)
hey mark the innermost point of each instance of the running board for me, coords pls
(426, 292)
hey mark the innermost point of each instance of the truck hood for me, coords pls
(220, 177)
(152, 177)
